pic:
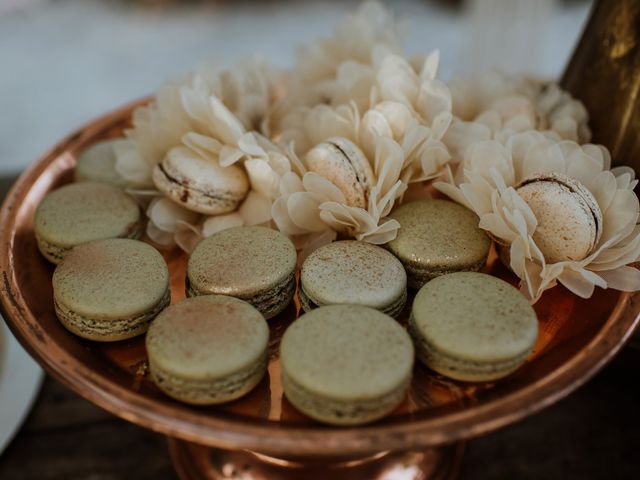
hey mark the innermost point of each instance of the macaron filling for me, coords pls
(418, 275)
(112, 329)
(393, 310)
(269, 302)
(342, 412)
(210, 391)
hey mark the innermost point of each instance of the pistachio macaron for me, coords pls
(200, 184)
(346, 364)
(353, 272)
(472, 327)
(82, 212)
(437, 237)
(255, 264)
(341, 162)
(97, 163)
(110, 290)
(208, 350)
(569, 217)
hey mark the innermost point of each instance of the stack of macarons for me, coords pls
(345, 360)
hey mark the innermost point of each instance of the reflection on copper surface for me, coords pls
(194, 462)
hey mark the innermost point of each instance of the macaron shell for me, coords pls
(200, 184)
(438, 237)
(474, 321)
(98, 164)
(111, 279)
(207, 338)
(244, 262)
(569, 218)
(83, 212)
(342, 163)
(347, 353)
(353, 272)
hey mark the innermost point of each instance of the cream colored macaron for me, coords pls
(569, 217)
(110, 290)
(255, 264)
(341, 162)
(97, 163)
(346, 364)
(82, 212)
(472, 327)
(353, 272)
(437, 237)
(208, 350)
(199, 184)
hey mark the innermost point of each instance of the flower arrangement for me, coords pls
(330, 147)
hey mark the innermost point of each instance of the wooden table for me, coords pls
(593, 434)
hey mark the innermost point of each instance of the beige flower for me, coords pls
(313, 211)
(495, 106)
(491, 173)
(334, 70)
(218, 115)
(221, 105)
(412, 108)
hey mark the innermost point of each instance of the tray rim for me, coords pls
(308, 440)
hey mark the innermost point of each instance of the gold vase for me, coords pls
(604, 72)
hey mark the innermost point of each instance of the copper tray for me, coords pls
(577, 338)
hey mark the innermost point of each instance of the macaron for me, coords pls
(208, 350)
(200, 184)
(82, 212)
(472, 327)
(255, 264)
(346, 364)
(353, 272)
(569, 217)
(342, 163)
(97, 163)
(110, 290)
(437, 237)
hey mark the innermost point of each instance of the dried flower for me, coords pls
(495, 106)
(491, 174)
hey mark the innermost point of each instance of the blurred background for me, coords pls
(63, 62)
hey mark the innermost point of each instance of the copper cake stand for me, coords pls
(262, 436)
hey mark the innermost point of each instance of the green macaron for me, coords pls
(473, 327)
(353, 272)
(110, 290)
(255, 264)
(208, 350)
(346, 364)
(82, 212)
(437, 237)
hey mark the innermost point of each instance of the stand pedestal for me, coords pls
(196, 462)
